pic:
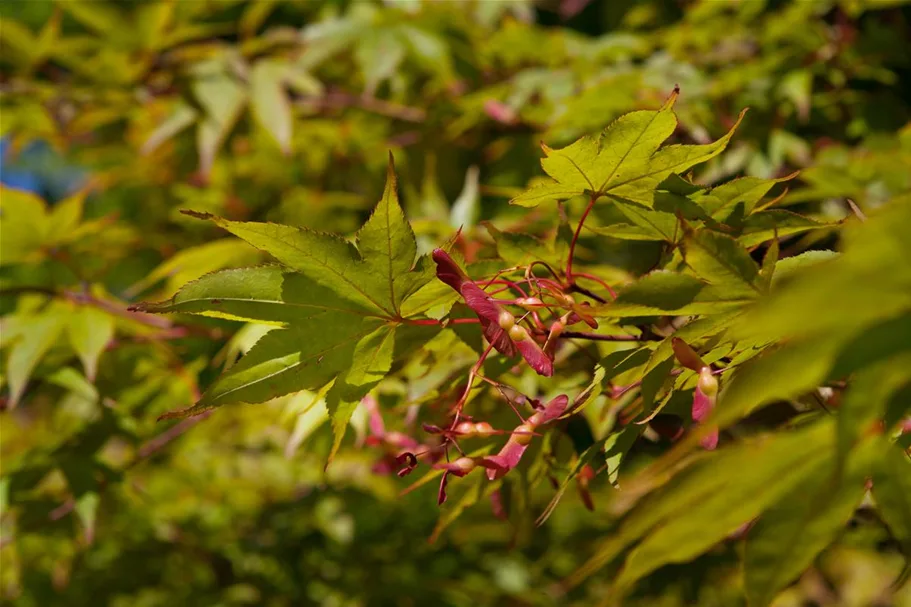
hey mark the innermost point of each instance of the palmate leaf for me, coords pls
(624, 161)
(378, 273)
(31, 226)
(338, 306)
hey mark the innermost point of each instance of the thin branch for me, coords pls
(618, 391)
(600, 337)
(84, 298)
(158, 442)
(577, 289)
(337, 99)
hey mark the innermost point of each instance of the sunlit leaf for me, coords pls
(90, 329)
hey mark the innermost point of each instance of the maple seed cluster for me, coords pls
(528, 336)
(525, 334)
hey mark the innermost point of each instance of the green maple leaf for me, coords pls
(626, 161)
(378, 274)
(337, 306)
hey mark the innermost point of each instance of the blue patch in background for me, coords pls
(39, 169)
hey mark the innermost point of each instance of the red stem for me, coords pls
(604, 284)
(509, 284)
(572, 246)
(471, 376)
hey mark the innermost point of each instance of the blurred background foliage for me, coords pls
(117, 114)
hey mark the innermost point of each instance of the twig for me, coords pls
(600, 337)
(856, 210)
(84, 298)
(156, 443)
(339, 99)
(618, 391)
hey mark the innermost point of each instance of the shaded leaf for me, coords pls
(595, 451)
(892, 493)
(789, 535)
(87, 511)
(721, 262)
(718, 492)
(466, 208)
(193, 262)
(710, 512)
(663, 292)
(864, 405)
(744, 192)
(182, 116)
(767, 225)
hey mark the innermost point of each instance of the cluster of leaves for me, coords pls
(717, 366)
